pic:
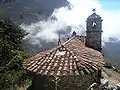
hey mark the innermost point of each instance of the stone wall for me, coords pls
(64, 82)
(76, 82)
(93, 40)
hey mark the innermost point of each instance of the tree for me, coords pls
(11, 54)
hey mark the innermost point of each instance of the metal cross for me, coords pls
(94, 10)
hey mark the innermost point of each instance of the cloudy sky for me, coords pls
(111, 17)
(76, 15)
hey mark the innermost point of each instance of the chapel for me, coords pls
(72, 65)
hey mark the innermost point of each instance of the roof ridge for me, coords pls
(68, 40)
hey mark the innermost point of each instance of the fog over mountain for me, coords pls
(45, 19)
(111, 50)
(27, 11)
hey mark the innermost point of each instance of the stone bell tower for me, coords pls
(94, 31)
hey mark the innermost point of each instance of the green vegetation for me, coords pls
(12, 55)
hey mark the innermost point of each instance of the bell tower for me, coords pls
(94, 31)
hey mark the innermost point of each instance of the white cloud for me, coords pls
(81, 9)
(111, 25)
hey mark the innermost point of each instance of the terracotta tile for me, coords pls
(72, 57)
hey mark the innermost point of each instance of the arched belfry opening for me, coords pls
(94, 31)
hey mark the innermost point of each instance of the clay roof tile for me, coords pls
(70, 58)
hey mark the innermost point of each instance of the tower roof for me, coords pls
(94, 15)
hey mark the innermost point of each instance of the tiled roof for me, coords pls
(84, 53)
(70, 58)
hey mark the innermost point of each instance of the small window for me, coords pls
(93, 24)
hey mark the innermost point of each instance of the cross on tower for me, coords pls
(94, 10)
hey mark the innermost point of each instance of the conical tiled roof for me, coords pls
(70, 58)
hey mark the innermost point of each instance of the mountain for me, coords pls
(27, 11)
(111, 50)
